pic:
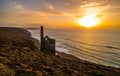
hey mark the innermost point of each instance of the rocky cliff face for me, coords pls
(17, 31)
(17, 50)
(20, 56)
(17, 37)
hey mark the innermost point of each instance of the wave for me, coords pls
(99, 53)
(107, 46)
(91, 54)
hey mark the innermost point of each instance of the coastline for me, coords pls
(95, 53)
(71, 57)
(61, 64)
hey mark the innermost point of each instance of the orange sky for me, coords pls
(59, 13)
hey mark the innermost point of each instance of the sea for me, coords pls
(98, 46)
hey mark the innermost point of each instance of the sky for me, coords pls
(58, 13)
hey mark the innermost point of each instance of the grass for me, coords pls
(20, 56)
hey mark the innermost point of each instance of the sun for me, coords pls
(89, 21)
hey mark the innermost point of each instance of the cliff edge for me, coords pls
(20, 55)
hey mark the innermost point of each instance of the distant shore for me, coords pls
(20, 55)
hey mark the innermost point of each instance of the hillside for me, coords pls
(20, 56)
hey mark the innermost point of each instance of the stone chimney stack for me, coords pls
(42, 38)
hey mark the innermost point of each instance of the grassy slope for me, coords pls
(19, 56)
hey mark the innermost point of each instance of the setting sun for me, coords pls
(89, 21)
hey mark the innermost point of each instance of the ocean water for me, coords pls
(98, 46)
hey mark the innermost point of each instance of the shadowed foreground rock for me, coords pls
(20, 56)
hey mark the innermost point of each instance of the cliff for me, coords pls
(20, 56)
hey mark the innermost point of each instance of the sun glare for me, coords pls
(89, 21)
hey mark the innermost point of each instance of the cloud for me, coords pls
(90, 5)
(114, 9)
(14, 6)
(78, 16)
(19, 7)
(23, 17)
(100, 15)
(52, 12)
(49, 9)
(26, 11)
